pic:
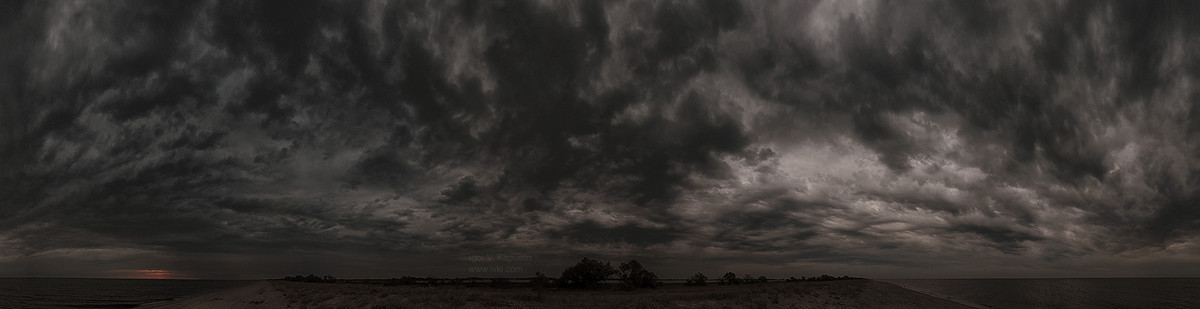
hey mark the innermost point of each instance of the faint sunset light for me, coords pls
(147, 274)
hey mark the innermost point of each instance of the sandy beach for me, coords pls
(833, 294)
(262, 294)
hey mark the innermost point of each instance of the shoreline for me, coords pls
(945, 297)
(860, 293)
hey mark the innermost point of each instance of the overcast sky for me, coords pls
(254, 139)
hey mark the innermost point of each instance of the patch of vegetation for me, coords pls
(311, 278)
(633, 276)
(587, 274)
(697, 280)
(729, 278)
(820, 278)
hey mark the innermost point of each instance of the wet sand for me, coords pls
(831, 294)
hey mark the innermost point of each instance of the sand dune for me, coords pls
(834, 294)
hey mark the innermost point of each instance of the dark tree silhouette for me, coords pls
(633, 275)
(587, 274)
(697, 280)
(762, 279)
(730, 278)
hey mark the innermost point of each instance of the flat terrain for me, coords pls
(829, 294)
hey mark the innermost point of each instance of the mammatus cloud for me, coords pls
(385, 138)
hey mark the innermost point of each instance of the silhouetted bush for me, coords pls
(729, 278)
(748, 279)
(587, 274)
(762, 279)
(697, 280)
(633, 275)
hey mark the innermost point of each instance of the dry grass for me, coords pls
(833, 294)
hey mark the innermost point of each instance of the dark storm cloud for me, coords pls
(590, 232)
(881, 135)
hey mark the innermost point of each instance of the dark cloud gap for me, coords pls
(1003, 239)
(284, 28)
(683, 26)
(778, 216)
(979, 18)
(539, 62)
(1178, 216)
(1149, 27)
(158, 27)
(590, 232)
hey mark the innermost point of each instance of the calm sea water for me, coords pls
(100, 293)
(1063, 293)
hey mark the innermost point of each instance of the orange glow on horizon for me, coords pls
(147, 274)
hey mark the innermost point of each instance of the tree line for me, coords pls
(587, 274)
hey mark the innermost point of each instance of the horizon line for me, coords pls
(387, 278)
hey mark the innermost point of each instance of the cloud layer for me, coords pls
(379, 139)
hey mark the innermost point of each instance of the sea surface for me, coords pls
(101, 293)
(1063, 293)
